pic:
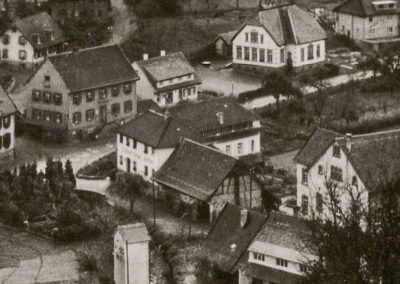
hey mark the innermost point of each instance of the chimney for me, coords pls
(162, 52)
(220, 116)
(243, 217)
(145, 56)
(348, 141)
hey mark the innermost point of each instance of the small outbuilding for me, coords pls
(223, 44)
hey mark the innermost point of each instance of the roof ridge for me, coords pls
(85, 49)
(292, 29)
(210, 148)
(376, 133)
(168, 119)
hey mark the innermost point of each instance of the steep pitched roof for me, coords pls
(166, 67)
(374, 156)
(195, 169)
(40, 24)
(133, 233)
(93, 67)
(321, 139)
(7, 106)
(145, 105)
(157, 131)
(202, 115)
(226, 231)
(289, 24)
(364, 8)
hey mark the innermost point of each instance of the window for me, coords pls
(57, 99)
(282, 55)
(46, 115)
(304, 176)
(246, 35)
(228, 149)
(304, 204)
(115, 91)
(5, 53)
(36, 114)
(36, 95)
(239, 54)
(76, 99)
(240, 148)
(134, 144)
(115, 109)
(336, 151)
(47, 97)
(121, 160)
(89, 96)
(121, 138)
(102, 94)
(7, 140)
(261, 38)
(320, 170)
(57, 117)
(254, 37)
(76, 117)
(281, 262)
(254, 54)
(128, 106)
(269, 55)
(319, 202)
(318, 51)
(336, 173)
(6, 39)
(262, 55)
(370, 19)
(134, 166)
(302, 54)
(47, 81)
(127, 141)
(390, 29)
(146, 171)
(22, 54)
(21, 40)
(6, 121)
(310, 50)
(354, 181)
(146, 149)
(391, 5)
(259, 256)
(246, 53)
(252, 146)
(303, 268)
(90, 115)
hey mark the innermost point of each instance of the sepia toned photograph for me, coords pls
(199, 142)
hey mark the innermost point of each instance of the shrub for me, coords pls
(67, 217)
(11, 215)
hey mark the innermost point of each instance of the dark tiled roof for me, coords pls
(195, 170)
(374, 156)
(270, 274)
(93, 67)
(289, 24)
(40, 24)
(316, 146)
(202, 115)
(226, 231)
(284, 231)
(364, 8)
(153, 129)
(166, 67)
(145, 105)
(226, 37)
(6, 104)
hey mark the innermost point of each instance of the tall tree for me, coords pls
(69, 172)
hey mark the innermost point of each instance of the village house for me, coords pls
(331, 161)
(29, 40)
(167, 79)
(80, 10)
(279, 38)
(256, 248)
(200, 179)
(77, 93)
(371, 21)
(223, 43)
(131, 254)
(7, 126)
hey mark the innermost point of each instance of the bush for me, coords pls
(10, 214)
(382, 84)
(319, 73)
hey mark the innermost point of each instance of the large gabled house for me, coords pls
(77, 93)
(279, 38)
(354, 163)
(372, 21)
(167, 79)
(29, 40)
(7, 126)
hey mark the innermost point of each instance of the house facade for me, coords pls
(167, 79)
(279, 38)
(369, 21)
(8, 112)
(64, 103)
(80, 11)
(343, 164)
(131, 254)
(29, 40)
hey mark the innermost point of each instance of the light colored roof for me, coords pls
(133, 233)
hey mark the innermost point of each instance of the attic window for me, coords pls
(336, 151)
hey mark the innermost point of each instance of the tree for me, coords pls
(128, 187)
(69, 172)
(278, 85)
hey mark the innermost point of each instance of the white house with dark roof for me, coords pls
(29, 40)
(167, 79)
(358, 163)
(278, 38)
(131, 254)
(7, 126)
